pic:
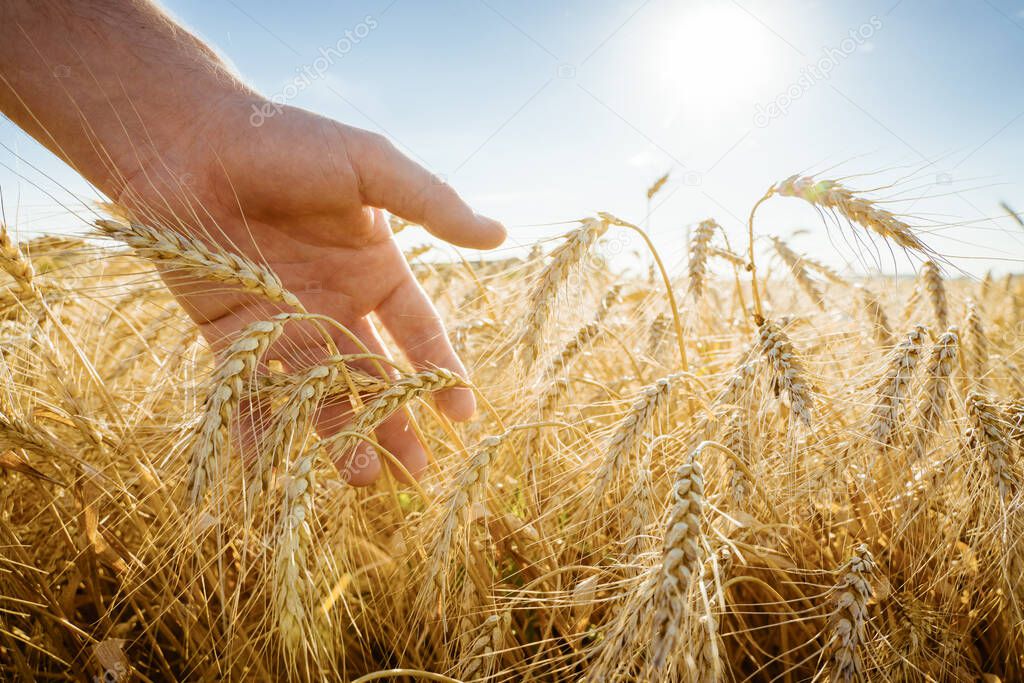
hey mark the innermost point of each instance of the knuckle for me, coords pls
(378, 144)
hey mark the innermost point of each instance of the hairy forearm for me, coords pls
(110, 86)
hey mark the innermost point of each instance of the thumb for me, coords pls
(388, 179)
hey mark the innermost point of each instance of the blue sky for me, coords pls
(540, 112)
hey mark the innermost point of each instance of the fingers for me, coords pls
(362, 466)
(391, 180)
(415, 326)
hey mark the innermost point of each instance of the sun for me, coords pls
(710, 53)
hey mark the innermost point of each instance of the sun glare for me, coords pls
(708, 52)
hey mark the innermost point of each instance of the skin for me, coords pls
(153, 119)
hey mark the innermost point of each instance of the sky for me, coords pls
(543, 112)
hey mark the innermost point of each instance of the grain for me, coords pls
(175, 251)
(933, 399)
(829, 194)
(699, 245)
(623, 443)
(796, 265)
(849, 620)
(540, 306)
(787, 372)
(681, 558)
(226, 390)
(992, 434)
(14, 263)
(975, 344)
(893, 389)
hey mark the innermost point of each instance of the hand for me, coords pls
(298, 194)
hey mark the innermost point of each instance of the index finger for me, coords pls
(414, 324)
(388, 179)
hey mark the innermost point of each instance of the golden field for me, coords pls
(726, 473)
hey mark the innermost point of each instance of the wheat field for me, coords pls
(753, 469)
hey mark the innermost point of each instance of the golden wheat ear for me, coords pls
(177, 252)
(540, 306)
(831, 195)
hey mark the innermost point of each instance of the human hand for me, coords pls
(303, 194)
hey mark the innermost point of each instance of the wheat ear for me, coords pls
(699, 256)
(825, 271)
(483, 651)
(892, 389)
(934, 395)
(681, 560)
(610, 298)
(787, 372)
(736, 437)
(178, 251)
(294, 418)
(795, 263)
(291, 571)
(237, 367)
(729, 256)
(992, 432)
(876, 315)
(400, 392)
(583, 337)
(624, 440)
(468, 488)
(850, 618)
(831, 195)
(637, 505)
(931, 280)
(14, 263)
(975, 344)
(541, 302)
(660, 328)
